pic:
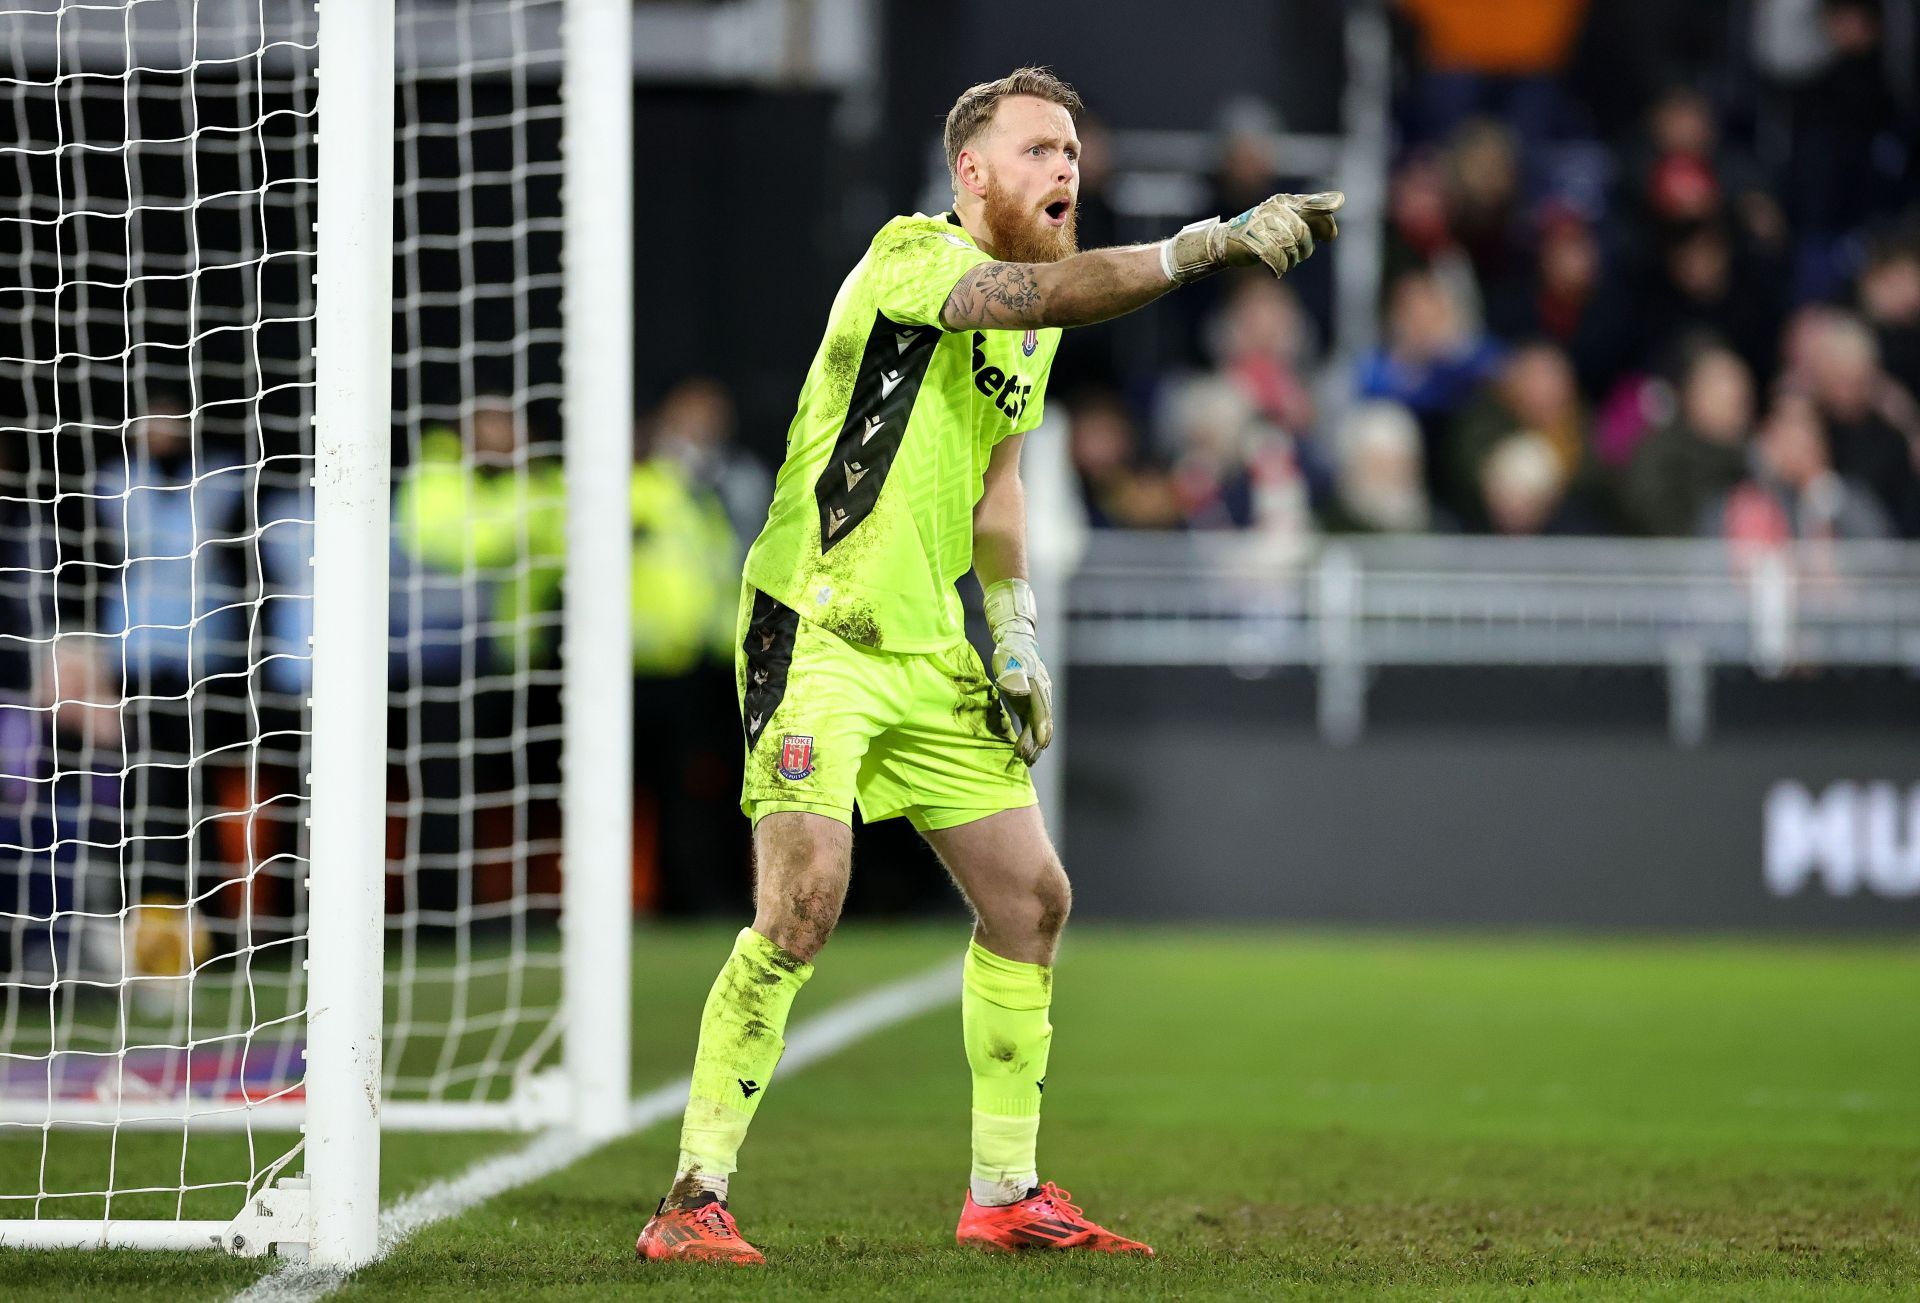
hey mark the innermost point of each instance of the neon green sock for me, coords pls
(1003, 1017)
(740, 1042)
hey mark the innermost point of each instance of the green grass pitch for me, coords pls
(1283, 1113)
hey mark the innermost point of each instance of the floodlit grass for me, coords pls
(1284, 1114)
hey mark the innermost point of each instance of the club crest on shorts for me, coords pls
(796, 757)
(1029, 342)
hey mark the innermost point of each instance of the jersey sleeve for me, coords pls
(913, 270)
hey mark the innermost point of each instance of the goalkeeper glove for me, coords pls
(1026, 690)
(1279, 231)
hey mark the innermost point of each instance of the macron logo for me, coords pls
(873, 427)
(888, 383)
(855, 473)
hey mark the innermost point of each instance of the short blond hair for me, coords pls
(974, 110)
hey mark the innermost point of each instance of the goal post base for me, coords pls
(61, 1233)
(277, 1221)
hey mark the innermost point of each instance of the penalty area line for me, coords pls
(813, 1040)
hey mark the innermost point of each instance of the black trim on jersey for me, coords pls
(884, 389)
(771, 630)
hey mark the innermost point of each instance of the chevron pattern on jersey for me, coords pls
(884, 389)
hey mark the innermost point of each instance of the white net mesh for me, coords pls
(162, 167)
(473, 990)
(155, 534)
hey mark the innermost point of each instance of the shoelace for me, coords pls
(714, 1218)
(1060, 1199)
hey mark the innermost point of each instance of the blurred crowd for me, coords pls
(1648, 269)
(157, 657)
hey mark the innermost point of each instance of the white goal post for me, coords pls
(314, 642)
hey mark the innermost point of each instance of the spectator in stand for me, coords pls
(1262, 344)
(694, 428)
(1485, 204)
(1420, 237)
(1380, 485)
(686, 563)
(177, 503)
(1534, 392)
(1417, 231)
(1431, 361)
(1686, 174)
(1791, 490)
(60, 807)
(689, 850)
(479, 508)
(1873, 431)
(1500, 57)
(1851, 159)
(1693, 460)
(1553, 299)
(1523, 489)
(479, 536)
(1702, 249)
(1706, 284)
(1799, 340)
(1116, 490)
(1233, 470)
(1890, 298)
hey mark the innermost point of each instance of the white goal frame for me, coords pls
(328, 1214)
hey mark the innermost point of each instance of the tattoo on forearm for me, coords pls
(1077, 291)
(995, 294)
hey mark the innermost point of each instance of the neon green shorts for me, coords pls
(829, 722)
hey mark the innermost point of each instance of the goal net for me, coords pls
(157, 619)
(473, 992)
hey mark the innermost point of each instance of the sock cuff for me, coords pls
(1006, 982)
(1004, 1147)
(788, 969)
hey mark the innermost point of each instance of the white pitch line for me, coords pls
(813, 1040)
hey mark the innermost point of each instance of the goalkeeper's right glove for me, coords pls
(1279, 231)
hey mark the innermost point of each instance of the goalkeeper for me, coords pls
(856, 682)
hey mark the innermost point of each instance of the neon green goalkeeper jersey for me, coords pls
(872, 518)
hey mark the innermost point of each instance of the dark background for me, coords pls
(1544, 798)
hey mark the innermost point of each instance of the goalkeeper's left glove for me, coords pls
(1025, 687)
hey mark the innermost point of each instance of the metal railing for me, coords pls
(1347, 606)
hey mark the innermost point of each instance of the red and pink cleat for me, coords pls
(702, 1232)
(1046, 1219)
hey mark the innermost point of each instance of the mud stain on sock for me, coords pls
(686, 1188)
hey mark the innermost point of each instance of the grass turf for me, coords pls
(1283, 1114)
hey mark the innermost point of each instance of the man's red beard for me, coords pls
(1019, 232)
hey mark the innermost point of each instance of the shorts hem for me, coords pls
(758, 810)
(939, 818)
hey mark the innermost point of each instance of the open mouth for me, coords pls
(1057, 211)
